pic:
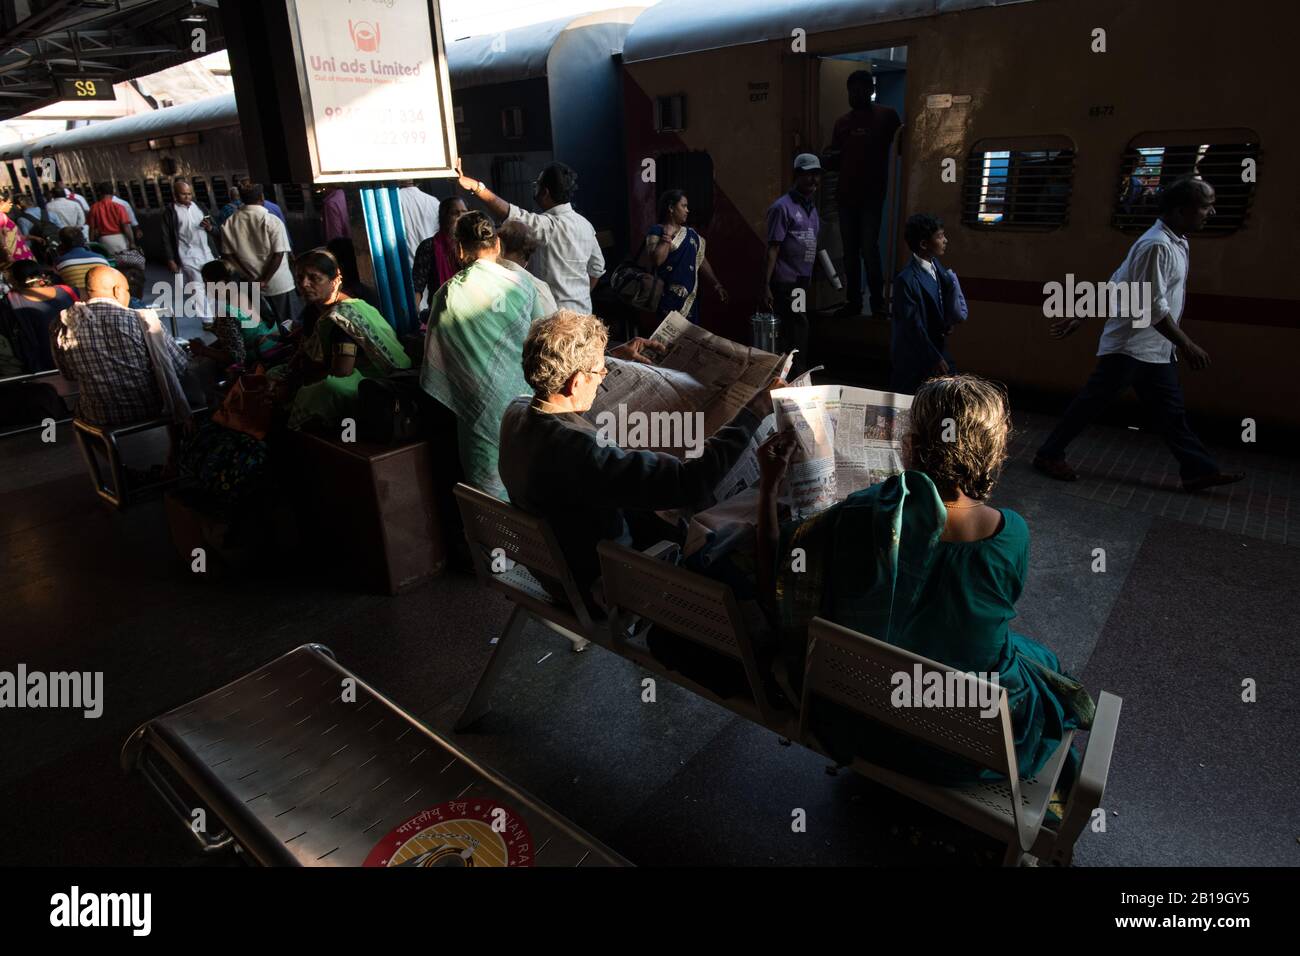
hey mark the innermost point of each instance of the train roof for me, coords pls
(208, 113)
(524, 53)
(676, 27)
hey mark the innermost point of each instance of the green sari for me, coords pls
(326, 403)
(473, 359)
(876, 564)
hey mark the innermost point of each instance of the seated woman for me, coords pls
(347, 328)
(244, 335)
(674, 252)
(473, 350)
(920, 561)
(31, 306)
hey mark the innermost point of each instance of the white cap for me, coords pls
(806, 161)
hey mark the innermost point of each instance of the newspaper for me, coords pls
(848, 439)
(696, 372)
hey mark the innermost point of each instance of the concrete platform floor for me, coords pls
(1199, 594)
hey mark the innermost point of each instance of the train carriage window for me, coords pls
(165, 188)
(220, 191)
(512, 122)
(670, 112)
(137, 194)
(292, 193)
(201, 192)
(1226, 159)
(1019, 184)
(151, 191)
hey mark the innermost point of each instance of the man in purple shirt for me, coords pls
(334, 209)
(792, 229)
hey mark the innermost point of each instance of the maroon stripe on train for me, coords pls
(1201, 306)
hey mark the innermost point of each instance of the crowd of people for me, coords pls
(511, 347)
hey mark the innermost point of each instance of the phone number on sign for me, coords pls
(374, 115)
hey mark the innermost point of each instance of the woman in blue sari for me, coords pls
(674, 252)
(920, 561)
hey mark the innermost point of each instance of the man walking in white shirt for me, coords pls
(1139, 351)
(568, 257)
(419, 216)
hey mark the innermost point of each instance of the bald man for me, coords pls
(100, 344)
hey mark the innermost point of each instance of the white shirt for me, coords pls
(190, 237)
(130, 213)
(419, 217)
(1158, 259)
(80, 200)
(545, 298)
(69, 212)
(568, 255)
(251, 236)
(927, 265)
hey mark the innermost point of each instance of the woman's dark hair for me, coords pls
(318, 260)
(446, 209)
(560, 181)
(27, 272)
(517, 238)
(346, 254)
(920, 227)
(475, 232)
(668, 199)
(218, 270)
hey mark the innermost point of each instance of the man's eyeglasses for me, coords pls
(602, 372)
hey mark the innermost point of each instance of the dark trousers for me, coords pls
(860, 234)
(794, 324)
(280, 308)
(1161, 396)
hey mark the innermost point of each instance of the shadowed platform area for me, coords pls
(1190, 605)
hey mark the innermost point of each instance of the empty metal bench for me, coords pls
(856, 672)
(302, 763)
(117, 491)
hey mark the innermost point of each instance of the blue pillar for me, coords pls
(383, 214)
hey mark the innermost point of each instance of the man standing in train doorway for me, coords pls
(1142, 351)
(859, 151)
(792, 230)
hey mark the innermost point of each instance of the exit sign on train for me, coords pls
(86, 89)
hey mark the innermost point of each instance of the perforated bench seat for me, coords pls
(301, 763)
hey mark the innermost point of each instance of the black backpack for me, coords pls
(391, 410)
(41, 228)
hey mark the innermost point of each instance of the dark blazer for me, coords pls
(170, 229)
(920, 328)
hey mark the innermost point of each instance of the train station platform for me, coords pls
(1198, 595)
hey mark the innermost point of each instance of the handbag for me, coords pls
(636, 286)
(390, 410)
(247, 406)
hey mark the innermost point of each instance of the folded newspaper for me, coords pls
(848, 439)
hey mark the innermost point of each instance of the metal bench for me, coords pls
(118, 492)
(301, 763)
(855, 671)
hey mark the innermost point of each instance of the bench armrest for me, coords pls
(1088, 790)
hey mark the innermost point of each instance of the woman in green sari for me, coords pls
(352, 341)
(473, 350)
(922, 562)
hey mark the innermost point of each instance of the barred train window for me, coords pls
(670, 112)
(201, 192)
(220, 191)
(165, 187)
(293, 201)
(137, 194)
(1019, 183)
(1223, 158)
(151, 191)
